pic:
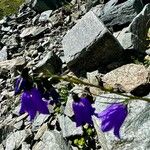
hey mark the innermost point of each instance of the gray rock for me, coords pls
(15, 140)
(12, 41)
(68, 109)
(116, 15)
(33, 31)
(18, 125)
(126, 78)
(51, 63)
(41, 131)
(51, 140)
(3, 53)
(136, 34)
(25, 146)
(39, 121)
(44, 17)
(135, 128)
(1, 147)
(89, 44)
(68, 127)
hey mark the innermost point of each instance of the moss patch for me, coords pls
(8, 7)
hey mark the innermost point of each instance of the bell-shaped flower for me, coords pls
(83, 111)
(113, 117)
(31, 102)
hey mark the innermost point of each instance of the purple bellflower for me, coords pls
(31, 99)
(31, 102)
(113, 117)
(83, 111)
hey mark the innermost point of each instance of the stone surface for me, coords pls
(135, 128)
(32, 31)
(68, 127)
(68, 109)
(51, 63)
(89, 44)
(41, 131)
(15, 140)
(127, 77)
(51, 140)
(3, 53)
(39, 121)
(136, 34)
(44, 17)
(25, 146)
(115, 14)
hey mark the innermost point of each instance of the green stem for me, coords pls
(78, 81)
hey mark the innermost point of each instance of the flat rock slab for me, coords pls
(127, 77)
(89, 44)
(69, 127)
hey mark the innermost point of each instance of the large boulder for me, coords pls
(118, 14)
(135, 36)
(135, 130)
(89, 44)
(128, 78)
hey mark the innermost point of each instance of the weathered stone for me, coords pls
(25, 146)
(89, 44)
(33, 31)
(15, 140)
(11, 65)
(1, 147)
(51, 63)
(18, 125)
(68, 127)
(44, 17)
(3, 53)
(40, 131)
(68, 109)
(135, 37)
(126, 78)
(39, 121)
(51, 140)
(12, 41)
(135, 128)
(115, 14)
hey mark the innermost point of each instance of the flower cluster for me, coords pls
(36, 99)
(111, 118)
(32, 97)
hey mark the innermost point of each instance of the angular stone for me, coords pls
(44, 17)
(39, 121)
(51, 140)
(40, 131)
(117, 15)
(3, 53)
(15, 140)
(127, 77)
(11, 65)
(135, 37)
(32, 31)
(68, 109)
(51, 63)
(89, 44)
(135, 129)
(25, 146)
(68, 127)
